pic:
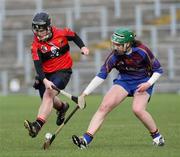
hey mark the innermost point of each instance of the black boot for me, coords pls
(79, 141)
(32, 127)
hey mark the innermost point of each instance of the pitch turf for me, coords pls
(122, 135)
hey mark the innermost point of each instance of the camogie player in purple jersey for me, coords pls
(138, 71)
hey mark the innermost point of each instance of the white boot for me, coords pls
(159, 141)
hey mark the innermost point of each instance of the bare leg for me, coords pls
(113, 97)
(61, 108)
(140, 102)
(47, 104)
(57, 103)
(116, 95)
(43, 113)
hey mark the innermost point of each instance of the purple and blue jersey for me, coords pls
(140, 63)
(134, 68)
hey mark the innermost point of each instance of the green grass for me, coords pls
(121, 134)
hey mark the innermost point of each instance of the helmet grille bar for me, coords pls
(39, 22)
(119, 35)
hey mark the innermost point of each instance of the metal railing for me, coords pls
(140, 9)
(103, 28)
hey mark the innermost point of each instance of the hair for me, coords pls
(136, 43)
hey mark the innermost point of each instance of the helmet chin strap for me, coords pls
(129, 51)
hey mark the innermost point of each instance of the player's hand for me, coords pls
(143, 87)
(85, 51)
(48, 84)
(83, 95)
(81, 101)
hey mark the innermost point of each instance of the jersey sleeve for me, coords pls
(72, 36)
(37, 61)
(34, 51)
(107, 66)
(77, 40)
(152, 61)
(68, 32)
(156, 66)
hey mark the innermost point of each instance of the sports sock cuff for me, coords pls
(40, 121)
(88, 137)
(89, 134)
(155, 133)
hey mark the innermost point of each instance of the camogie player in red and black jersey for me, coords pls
(52, 61)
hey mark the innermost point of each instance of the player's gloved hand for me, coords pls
(81, 101)
(84, 50)
(36, 84)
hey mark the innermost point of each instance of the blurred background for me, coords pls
(156, 23)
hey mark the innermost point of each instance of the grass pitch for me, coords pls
(121, 135)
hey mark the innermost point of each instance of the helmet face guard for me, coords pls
(41, 26)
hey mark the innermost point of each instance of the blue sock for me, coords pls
(155, 134)
(88, 137)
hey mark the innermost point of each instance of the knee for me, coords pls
(105, 107)
(137, 111)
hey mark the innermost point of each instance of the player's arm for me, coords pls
(157, 72)
(144, 86)
(72, 36)
(155, 76)
(38, 67)
(155, 68)
(101, 76)
(95, 82)
(78, 41)
(37, 60)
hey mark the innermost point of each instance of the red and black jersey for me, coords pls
(53, 55)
